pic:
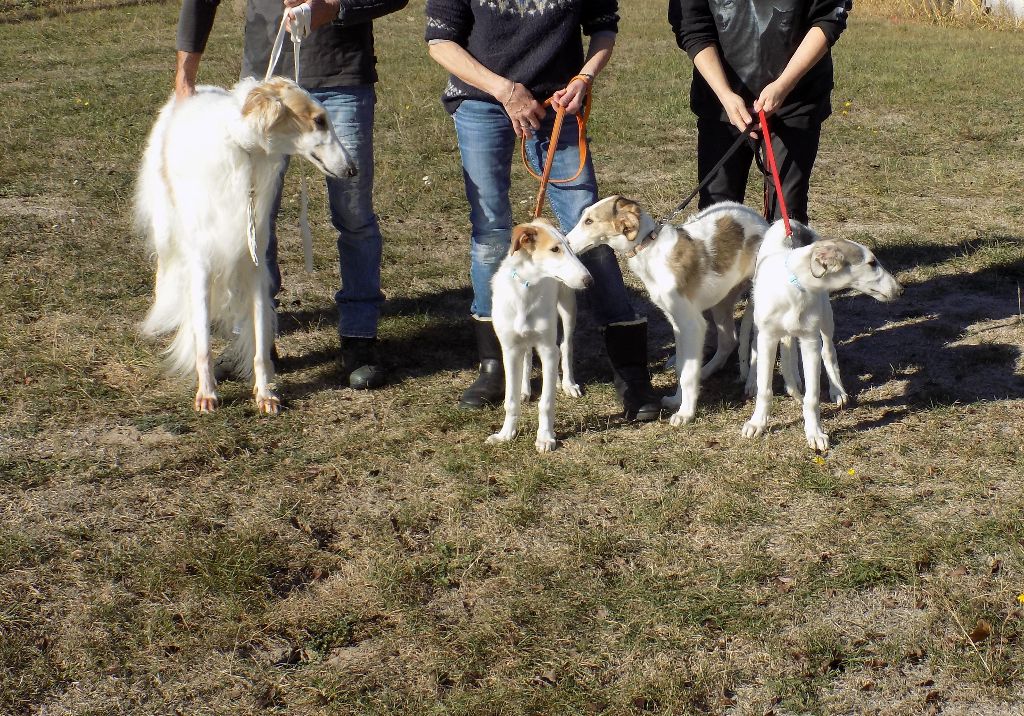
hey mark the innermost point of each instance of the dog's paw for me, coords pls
(817, 440)
(571, 389)
(680, 419)
(842, 400)
(499, 437)
(206, 402)
(545, 443)
(751, 429)
(794, 392)
(269, 404)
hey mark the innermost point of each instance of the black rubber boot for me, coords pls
(488, 389)
(361, 363)
(627, 352)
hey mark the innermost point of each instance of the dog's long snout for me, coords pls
(588, 281)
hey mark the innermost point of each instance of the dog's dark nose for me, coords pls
(352, 171)
(588, 281)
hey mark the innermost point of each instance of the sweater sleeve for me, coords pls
(356, 12)
(449, 20)
(693, 25)
(600, 16)
(830, 17)
(195, 21)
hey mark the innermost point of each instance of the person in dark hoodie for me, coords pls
(773, 55)
(339, 69)
(506, 57)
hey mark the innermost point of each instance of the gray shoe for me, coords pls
(360, 363)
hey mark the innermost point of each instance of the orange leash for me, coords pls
(556, 130)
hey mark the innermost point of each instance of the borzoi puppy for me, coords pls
(791, 298)
(532, 290)
(701, 265)
(205, 192)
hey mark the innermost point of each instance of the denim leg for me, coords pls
(351, 110)
(486, 141)
(607, 298)
(271, 255)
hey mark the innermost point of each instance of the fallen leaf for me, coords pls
(982, 631)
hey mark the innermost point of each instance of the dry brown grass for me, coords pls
(948, 13)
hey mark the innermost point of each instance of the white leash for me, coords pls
(300, 16)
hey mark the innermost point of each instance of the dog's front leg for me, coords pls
(810, 349)
(513, 358)
(267, 401)
(767, 345)
(689, 347)
(836, 392)
(567, 314)
(546, 407)
(199, 297)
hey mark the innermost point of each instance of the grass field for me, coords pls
(365, 553)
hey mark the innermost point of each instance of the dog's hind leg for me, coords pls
(767, 346)
(810, 349)
(725, 328)
(790, 371)
(836, 392)
(748, 353)
(526, 391)
(546, 406)
(567, 315)
(514, 361)
(267, 401)
(199, 299)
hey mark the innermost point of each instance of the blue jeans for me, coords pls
(351, 204)
(487, 142)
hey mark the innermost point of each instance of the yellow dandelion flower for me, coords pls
(851, 471)
(1020, 598)
(819, 460)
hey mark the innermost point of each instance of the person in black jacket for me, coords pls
(338, 69)
(772, 55)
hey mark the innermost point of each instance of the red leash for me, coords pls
(770, 153)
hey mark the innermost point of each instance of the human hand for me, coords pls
(772, 97)
(736, 109)
(571, 96)
(524, 110)
(323, 11)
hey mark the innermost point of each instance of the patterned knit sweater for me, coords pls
(534, 42)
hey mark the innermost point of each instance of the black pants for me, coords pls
(796, 146)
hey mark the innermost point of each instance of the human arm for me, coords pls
(709, 64)
(598, 54)
(827, 21)
(524, 110)
(195, 21)
(347, 12)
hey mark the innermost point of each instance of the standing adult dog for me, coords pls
(532, 290)
(203, 200)
(701, 265)
(791, 299)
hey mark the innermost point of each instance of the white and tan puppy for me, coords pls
(701, 265)
(205, 192)
(791, 299)
(532, 290)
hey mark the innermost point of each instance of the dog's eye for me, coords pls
(588, 222)
(873, 263)
(320, 122)
(556, 249)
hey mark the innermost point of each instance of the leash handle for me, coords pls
(770, 154)
(556, 130)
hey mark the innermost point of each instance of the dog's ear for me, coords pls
(524, 236)
(627, 217)
(826, 258)
(264, 108)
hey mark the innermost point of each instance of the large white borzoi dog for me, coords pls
(701, 265)
(532, 291)
(792, 283)
(205, 191)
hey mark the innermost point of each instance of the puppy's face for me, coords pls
(290, 121)
(839, 264)
(614, 221)
(548, 253)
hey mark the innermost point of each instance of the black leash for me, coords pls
(744, 135)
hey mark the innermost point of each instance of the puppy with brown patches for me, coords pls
(792, 283)
(532, 290)
(701, 265)
(203, 200)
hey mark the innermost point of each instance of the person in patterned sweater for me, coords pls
(774, 56)
(505, 58)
